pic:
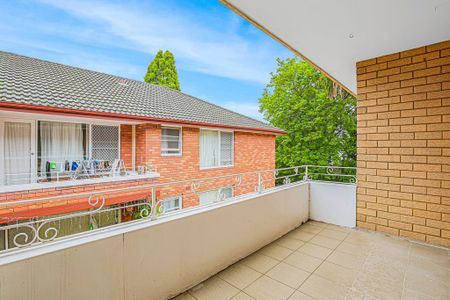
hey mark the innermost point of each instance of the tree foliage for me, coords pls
(319, 117)
(162, 71)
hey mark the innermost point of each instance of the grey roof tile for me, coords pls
(28, 80)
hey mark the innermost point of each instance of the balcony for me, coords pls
(279, 234)
(79, 177)
(324, 261)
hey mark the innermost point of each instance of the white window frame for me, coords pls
(34, 119)
(180, 203)
(180, 135)
(33, 141)
(220, 149)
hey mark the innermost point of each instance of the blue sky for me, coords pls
(220, 57)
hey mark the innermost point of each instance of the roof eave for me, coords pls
(32, 108)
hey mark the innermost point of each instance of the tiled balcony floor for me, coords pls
(321, 261)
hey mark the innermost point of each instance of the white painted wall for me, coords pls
(154, 260)
(333, 203)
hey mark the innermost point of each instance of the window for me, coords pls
(61, 143)
(216, 148)
(172, 204)
(170, 141)
(216, 195)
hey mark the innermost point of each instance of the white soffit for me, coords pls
(320, 30)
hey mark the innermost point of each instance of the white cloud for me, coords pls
(201, 42)
(245, 108)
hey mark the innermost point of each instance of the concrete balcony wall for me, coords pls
(154, 259)
(333, 203)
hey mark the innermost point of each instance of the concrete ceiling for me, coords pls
(334, 35)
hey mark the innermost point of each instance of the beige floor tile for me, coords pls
(325, 241)
(266, 288)
(339, 228)
(346, 260)
(336, 273)
(303, 261)
(288, 275)
(276, 251)
(300, 296)
(214, 288)
(310, 228)
(429, 253)
(289, 243)
(321, 288)
(300, 235)
(259, 262)
(413, 295)
(356, 249)
(337, 235)
(360, 238)
(184, 296)
(314, 250)
(242, 296)
(377, 287)
(428, 278)
(317, 223)
(239, 275)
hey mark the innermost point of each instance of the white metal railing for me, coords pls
(28, 222)
(55, 176)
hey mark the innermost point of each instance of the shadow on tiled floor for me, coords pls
(322, 261)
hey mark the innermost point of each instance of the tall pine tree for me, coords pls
(162, 71)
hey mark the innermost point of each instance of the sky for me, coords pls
(220, 57)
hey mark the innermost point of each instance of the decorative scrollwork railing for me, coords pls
(85, 212)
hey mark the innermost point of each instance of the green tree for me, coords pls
(162, 71)
(320, 119)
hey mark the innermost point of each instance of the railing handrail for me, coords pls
(41, 230)
(164, 184)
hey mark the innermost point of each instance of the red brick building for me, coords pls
(67, 131)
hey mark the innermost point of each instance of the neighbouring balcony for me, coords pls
(182, 235)
(86, 172)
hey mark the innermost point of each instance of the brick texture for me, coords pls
(252, 152)
(404, 144)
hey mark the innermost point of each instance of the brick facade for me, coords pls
(404, 144)
(251, 152)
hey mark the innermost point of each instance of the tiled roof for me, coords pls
(26, 80)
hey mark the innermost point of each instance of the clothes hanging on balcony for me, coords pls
(47, 171)
(74, 166)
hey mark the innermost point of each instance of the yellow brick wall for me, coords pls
(404, 144)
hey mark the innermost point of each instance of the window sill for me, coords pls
(214, 168)
(171, 155)
(78, 182)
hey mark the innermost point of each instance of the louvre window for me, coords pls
(171, 141)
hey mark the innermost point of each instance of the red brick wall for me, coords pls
(404, 144)
(251, 152)
(126, 145)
